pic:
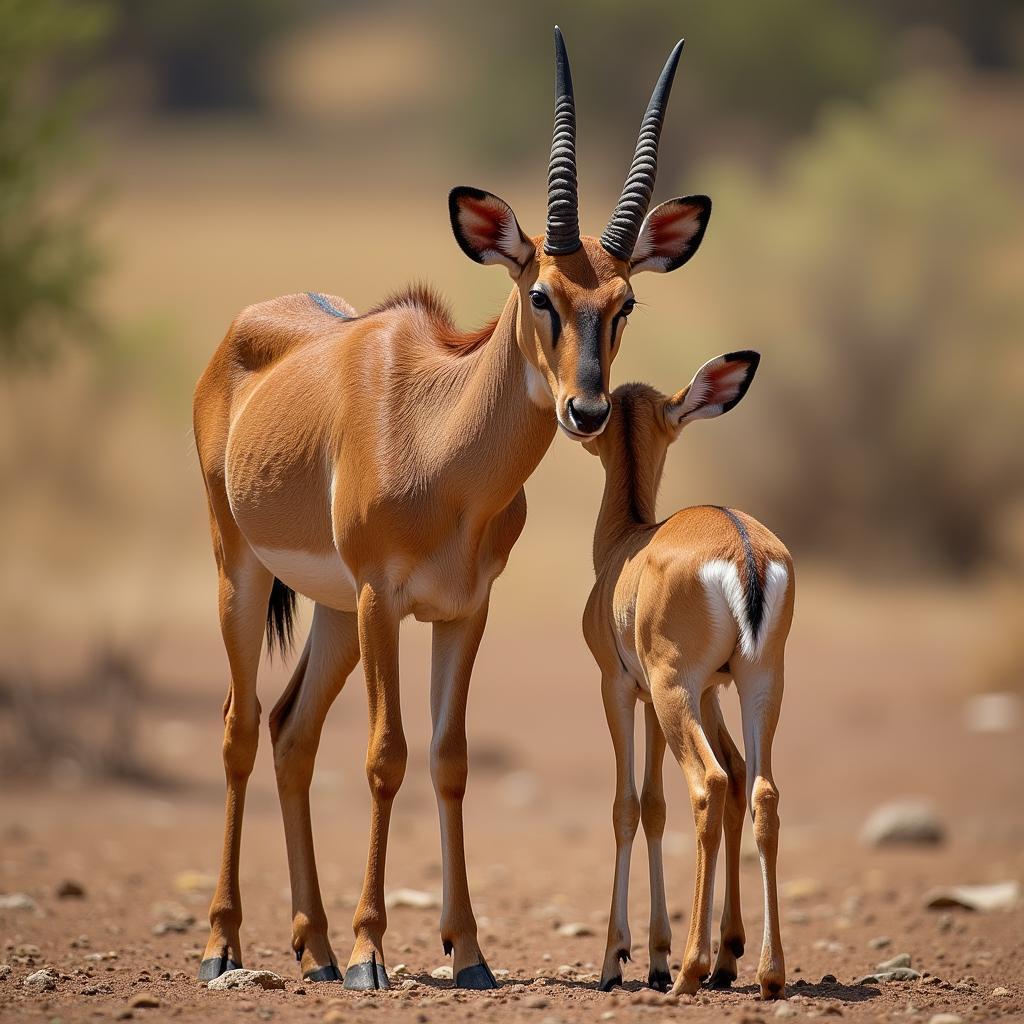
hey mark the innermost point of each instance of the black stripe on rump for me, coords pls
(754, 588)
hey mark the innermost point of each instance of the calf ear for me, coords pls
(670, 234)
(716, 387)
(487, 230)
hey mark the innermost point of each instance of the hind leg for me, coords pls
(244, 593)
(730, 948)
(331, 653)
(760, 688)
(677, 694)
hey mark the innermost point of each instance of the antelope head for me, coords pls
(575, 291)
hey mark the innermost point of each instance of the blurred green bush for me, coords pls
(879, 266)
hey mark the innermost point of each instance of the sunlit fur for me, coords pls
(667, 622)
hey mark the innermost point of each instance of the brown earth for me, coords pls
(873, 710)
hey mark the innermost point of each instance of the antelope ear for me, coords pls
(716, 387)
(487, 230)
(670, 234)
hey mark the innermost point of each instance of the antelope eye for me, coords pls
(627, 307)
(539, 299)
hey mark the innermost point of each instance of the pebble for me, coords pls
(575, 930)
(1000, 990)
(900, 960)
(879, 942)
(785, 1010)
(945, 1018)
(413, 898)
(17, 901)
(242, 978)
(44, 980)
(897, 974)
(144, 1001)
(5, 971)
(69, 889)
(912, 822)
(536, 1002)
(1000, 896)
(443, 973)
(399, 969)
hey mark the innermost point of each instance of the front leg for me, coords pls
(385, 769)
(454, 650)
(619, 706)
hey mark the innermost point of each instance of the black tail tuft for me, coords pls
(281, 619)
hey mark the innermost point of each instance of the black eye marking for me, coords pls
(540, 301)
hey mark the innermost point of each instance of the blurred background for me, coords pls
(164, 165)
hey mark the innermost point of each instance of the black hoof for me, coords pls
(610, 983)
(660, 980)
(214, 966)
(721, 979)
(328, 973)
(367, 977)
(478, 976)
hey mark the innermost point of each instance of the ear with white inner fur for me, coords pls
(716, 387)
(487, 230)
(670, 234)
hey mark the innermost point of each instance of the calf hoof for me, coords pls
(214, 966)
(478, 976)
(607, 984)
(367, 977)
(660, 980)
(722, 978)
(329, 973)
(772, 988)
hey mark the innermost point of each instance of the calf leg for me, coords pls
(619, 705)
(732, 937)
(652, 814)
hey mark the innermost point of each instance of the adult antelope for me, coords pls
(678, 609)
(376, 464)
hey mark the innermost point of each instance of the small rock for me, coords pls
(5, 971)
(398, 970)
(897, 974)
(17, 901)
(785, 1010)
(501, 972)
(900, 960)
(575, 930)
(69, 889)
(879, 942)
(333, 1017)
(443, 973)
(44, 980)
(945, 1018)
(911, 822)
(144, 1001)
(298, 991)
(414, 898)
(242, 978)
(828, 979)
(1001, 991)
(999, 896)
(536, 1002)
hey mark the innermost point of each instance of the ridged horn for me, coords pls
(620, 235)
(562, 234)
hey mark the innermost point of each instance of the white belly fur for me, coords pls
(323, 578)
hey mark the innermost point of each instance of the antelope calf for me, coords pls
(375, 464)
(679, 608)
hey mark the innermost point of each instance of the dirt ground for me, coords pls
(874, 710)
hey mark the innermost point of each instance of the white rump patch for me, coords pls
(721, 578)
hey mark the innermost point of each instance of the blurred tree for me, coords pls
(880, 275)
(46, 260)
(204, 55)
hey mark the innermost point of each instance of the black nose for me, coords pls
(588, 415)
